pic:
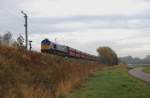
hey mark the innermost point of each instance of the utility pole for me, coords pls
(26, 28)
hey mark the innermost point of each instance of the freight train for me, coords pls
(48, 46)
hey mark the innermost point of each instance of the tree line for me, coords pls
(135, 60)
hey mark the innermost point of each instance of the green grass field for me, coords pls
(112, 82)
(147, 70)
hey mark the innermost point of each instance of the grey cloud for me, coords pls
(10, 16)
(92, 22)
(89, 19)
(11, 19)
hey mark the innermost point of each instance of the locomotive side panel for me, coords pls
(62, 48)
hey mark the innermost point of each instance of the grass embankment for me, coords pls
(112, 83)
(34, 75)
(147, 70)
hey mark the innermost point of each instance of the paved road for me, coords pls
(138, 73)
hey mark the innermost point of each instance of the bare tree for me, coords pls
(15, 44)
(7, 38)
(20, 40)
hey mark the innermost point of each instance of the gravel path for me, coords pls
(138, 73)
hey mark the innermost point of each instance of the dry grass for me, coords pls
(34, 75)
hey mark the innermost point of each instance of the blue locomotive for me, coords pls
(48, 46)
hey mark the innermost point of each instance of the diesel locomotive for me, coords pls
(48, 46)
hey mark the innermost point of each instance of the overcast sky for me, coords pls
(123, 25)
